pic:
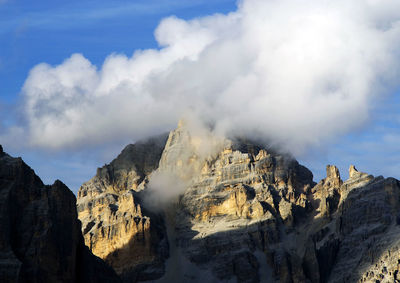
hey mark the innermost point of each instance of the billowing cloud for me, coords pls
(293, 72)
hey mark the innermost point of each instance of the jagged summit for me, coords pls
(241, 212)
(192, 161)
(128, 170)
(194, 207)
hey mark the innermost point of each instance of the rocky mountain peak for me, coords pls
(354, 174)
(239, 212)
(115, 225)
(242, 212)
(333, 176)
(181, 123)
(224, 180)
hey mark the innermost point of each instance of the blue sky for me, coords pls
(32, 32)
(50, 31)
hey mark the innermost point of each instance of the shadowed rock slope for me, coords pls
(115, 225)
(244, 214)
(40, 237)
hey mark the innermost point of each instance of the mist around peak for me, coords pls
(298, 73)
(195, 152)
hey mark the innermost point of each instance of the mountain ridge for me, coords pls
(239, 210)
(174, 209)
(40, 237)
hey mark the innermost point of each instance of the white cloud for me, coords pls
(295, 72)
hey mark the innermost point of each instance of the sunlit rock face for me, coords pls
(230, 218)
(115, 226)
(40, 235)
(215, 209)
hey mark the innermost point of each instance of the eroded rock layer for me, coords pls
(40, 237)
(232, 218)
(115, 225)
(231, 210)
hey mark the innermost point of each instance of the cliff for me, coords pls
(238, 211)
(40, 235)
(115, 225)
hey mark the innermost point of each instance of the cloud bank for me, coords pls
(294, 72)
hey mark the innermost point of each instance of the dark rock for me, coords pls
(40, 238)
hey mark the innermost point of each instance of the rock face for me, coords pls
(230, 218)
(115, 225)
(240, 213)
(40, 238)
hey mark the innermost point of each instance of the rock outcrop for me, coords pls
(240, 213)
(198, 208)
(115, 225)
(40, 237)
(237, 207)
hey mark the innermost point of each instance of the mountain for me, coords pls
(194, 207)
(115, 225)
(189, 206)
(40, 234)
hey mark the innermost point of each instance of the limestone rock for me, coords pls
(115, 224)
(235, 205)
(128, 170)
(246, 198)
(246, 214)
(40, 238)
(367, 228)
(326, 194)
(356, 237)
